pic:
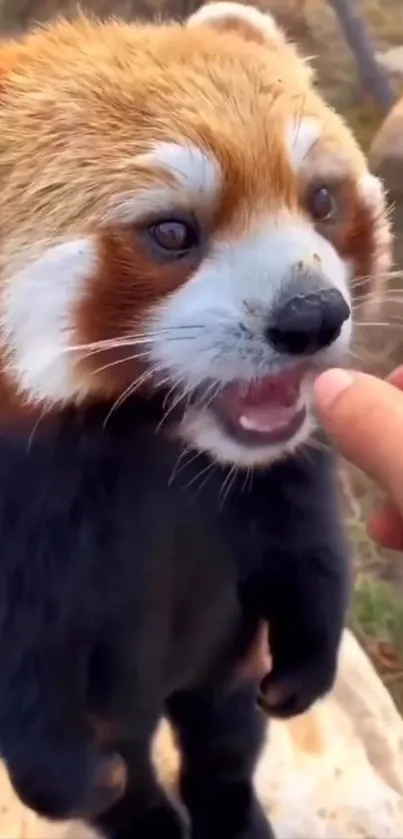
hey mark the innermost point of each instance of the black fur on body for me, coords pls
(130, 589)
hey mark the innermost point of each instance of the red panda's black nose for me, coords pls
(304, 323)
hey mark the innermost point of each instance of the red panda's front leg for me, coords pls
(304, 586)
(144, 811)
(55, 765)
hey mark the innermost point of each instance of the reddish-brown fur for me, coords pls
(81, 105)
(79, 102)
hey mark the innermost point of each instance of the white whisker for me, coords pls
(168, 395)
(248, 480)
(135, 339)
(200, 474)
(179, 468)
(209, 395)
(175, 402)
(43, 414)
(379, 324)
(118, 361)
(129, 391)
(208, 471)
(227, 485)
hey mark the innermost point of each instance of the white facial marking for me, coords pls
(373, 195)
(211, 12)
(302, 135)
(230, 299)
(37, 310)
(372, 191)
(196, 184)
(201, 431)
(233, 294)
(193, 169)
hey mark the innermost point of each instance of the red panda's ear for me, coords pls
(248, 21)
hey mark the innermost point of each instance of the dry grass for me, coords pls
(377, 612)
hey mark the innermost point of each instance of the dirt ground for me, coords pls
(377, 615)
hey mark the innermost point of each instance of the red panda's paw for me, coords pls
(288, 692)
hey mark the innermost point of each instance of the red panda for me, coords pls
(139, 164)
(183, 221)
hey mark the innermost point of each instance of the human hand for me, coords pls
(363, 416)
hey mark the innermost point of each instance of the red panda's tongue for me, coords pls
(265, 407)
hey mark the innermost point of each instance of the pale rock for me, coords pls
(391, 60)
(335, 772)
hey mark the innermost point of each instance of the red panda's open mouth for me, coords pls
(267, 411)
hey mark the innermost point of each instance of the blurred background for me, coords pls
(357, 49)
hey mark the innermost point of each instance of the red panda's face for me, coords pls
(185, 213)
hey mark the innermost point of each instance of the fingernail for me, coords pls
(329, 386)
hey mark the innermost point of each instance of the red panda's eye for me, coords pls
(320, 204)
(175, 236)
